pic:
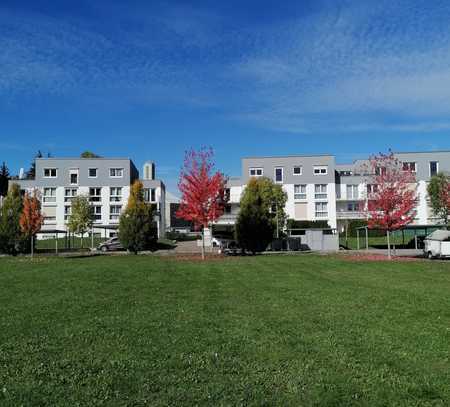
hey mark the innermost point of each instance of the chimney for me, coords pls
(21, 173)
(149, 171)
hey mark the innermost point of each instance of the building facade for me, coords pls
(105, 181)
(319, 189)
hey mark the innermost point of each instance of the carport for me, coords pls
(419, 231)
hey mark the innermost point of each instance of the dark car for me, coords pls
(231, 248)
(110, 245)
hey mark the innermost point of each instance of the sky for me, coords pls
(150, 79)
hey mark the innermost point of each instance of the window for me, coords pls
(92, 172)
(409, 166)
(69, 194)
(96, 212)
(74, 179)
(298, 170)
(95, 194)
(279, 175)
(116, 172)
(380, 170)
(321, 209)
(352, 192)
(256, 172)
(320, 170)
(50, 172)
(67, 212)
(114, 212)
(49, 195)
(353, 207)
(345, 173)
(300, 191)
(320, 191)
(434, 168)
(115, 194)
(150, 195)
(371, 189)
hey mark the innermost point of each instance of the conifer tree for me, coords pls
(12, 240)
(257, 220)
(4, 178)
(137, 229)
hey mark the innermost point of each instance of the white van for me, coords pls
(437, 245)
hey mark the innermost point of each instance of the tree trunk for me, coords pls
(389, 244)
(32, 246)
(203, 243)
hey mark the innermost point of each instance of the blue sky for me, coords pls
(149, 79)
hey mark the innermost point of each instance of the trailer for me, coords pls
(437, 245)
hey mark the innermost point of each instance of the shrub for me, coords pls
(307, 224)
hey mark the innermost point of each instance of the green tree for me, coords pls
(137, 229)
(12, 240)
(439, 192)
(4, 178)
(89, 154)
(81, 218)
(261, 214)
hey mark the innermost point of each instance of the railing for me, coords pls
(350, 215)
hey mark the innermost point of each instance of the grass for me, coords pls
(269, 330)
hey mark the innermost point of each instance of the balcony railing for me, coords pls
(350, 215)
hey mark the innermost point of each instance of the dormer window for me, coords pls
(279, 175)
(410, 167)
(320, 170)
(50, 172)
(116, 172)
(256, 172)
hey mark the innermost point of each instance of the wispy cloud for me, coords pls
(346, 66)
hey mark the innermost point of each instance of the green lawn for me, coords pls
(270, 330)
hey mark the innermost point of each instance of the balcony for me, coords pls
(350, 215)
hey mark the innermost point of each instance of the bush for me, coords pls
(181, 237)
(307, 224)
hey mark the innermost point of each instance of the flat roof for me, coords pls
(83, 158)
(289, 156)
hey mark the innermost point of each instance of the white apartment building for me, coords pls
(319, 189)
(106, 181)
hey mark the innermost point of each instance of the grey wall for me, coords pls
(288, 163)
(422, 161)
(103, 165)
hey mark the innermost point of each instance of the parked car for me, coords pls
(110, 245)
(437, 245)
(230, 248)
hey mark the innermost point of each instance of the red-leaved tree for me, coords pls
(392, 197)
(31, 219)
(202, 191)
